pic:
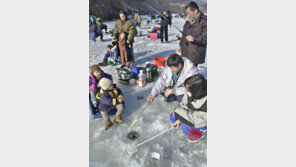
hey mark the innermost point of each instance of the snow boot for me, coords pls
(108, 124)
(118, 120)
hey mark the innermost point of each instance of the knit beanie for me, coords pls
(94, 68)
(105, 83)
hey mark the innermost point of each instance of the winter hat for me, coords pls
(105, 83)
(94, 68)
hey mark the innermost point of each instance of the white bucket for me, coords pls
(155, 155)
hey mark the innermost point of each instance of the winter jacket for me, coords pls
(165, 21)
(114, 54)
(128, 27)
(138, 19)
(109, 98)
(196, 50)
(93, 28)
(93, 82)
(165, 80)
(192, 113)
(107, 56)
(94, 31)
(92, 19)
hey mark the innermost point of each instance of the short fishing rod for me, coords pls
(164, 17)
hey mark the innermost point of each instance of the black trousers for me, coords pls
(165, 29)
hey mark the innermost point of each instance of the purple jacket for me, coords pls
(107, 98)
(93, 28)
(94, 31)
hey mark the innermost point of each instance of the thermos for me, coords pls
(148, 74)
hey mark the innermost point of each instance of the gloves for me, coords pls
(95, 104)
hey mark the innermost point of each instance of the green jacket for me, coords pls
(128, 27)
(138, 18)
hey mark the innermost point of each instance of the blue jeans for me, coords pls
(173, 97)
(186, 128)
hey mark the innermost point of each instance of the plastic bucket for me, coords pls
(160, 61)
(153, 35)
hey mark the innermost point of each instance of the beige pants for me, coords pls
(119, 107)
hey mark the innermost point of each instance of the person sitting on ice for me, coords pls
(170, 82)
(96, 74)
(94, 32)
(110, 98)
(111, 57)
(115, 58)
(191, 114)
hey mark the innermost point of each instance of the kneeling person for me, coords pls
(191, 114)
(170, 83)
(110, 98)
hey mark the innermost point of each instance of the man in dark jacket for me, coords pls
(193, 43)
(165, 21)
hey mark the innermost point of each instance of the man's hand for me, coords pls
(151, 99)
(178, 49)
(168, 92)
(178, 123)
(128, 42)
(190, 38)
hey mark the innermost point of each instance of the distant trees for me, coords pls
(108, 9)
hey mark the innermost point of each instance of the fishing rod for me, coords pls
(164, 17)
(137, 117)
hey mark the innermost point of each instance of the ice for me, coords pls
(109, 148)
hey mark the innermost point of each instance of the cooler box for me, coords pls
(153, 35)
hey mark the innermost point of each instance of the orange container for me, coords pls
(159, 61)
